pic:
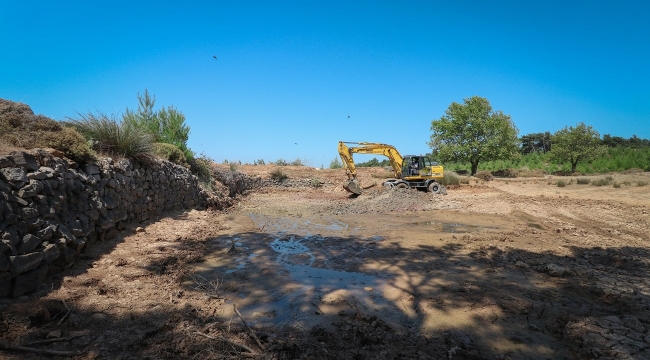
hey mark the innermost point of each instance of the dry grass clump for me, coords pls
(583, 181)
(484, 175)
(561, 183)
(505, 173)
(450, 178)
(641, 183)
(602, 181)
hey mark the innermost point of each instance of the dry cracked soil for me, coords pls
(506, 269)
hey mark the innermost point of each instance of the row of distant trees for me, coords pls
(473, 133)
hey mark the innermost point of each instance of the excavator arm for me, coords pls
(346, 152)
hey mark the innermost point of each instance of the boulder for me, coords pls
(24, 263)
(14, 175)
(29, 243)
(24, 160)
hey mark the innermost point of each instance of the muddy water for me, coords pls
(310, 268)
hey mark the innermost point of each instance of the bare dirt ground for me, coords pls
(506, 269)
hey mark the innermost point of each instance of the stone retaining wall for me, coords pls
(51, 208)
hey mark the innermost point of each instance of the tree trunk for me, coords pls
(474, 167)
(573, 166)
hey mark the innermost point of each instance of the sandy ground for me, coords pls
(506, 269)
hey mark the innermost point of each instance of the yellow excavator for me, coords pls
(410, 171)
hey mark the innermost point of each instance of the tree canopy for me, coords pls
(576, 144)
(472, 132)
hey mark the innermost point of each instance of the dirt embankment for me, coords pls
(518, 269)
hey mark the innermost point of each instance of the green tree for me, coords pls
(336, 163)
(472, 132)
(576, 144)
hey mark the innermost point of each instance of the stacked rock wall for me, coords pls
(51, 208)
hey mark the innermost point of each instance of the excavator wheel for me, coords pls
(353, 186)
(434, 187)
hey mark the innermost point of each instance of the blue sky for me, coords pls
(289, 73)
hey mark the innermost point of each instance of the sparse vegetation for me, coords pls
(583, 181)
(616, 185)
(281, 162)
(641, 183)
(233, 166)
(561, 183)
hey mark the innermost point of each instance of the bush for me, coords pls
(109, 136)
(297, 162)
(484, 175)
(23, 129)
(316, 183)
(561, 183)
(278, 175)
(450, 178)
(617, 185)
(641, 183)
(201, 168)
(281, 162)
(583, 181)
(171, 153)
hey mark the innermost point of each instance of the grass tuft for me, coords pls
(109, 136)
(278, 175)
(583, 181)
(561, 183)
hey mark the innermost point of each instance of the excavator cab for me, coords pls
(416, 166)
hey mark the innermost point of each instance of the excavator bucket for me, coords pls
(353, 186)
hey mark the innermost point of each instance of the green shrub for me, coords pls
(171, 153)
(561, 183)
(281, 162)
(316, 183)
(233, 166)
(259, 162)
(450, 178)
(278, 175)
(583, 181)
(464, 180)
(109, 136)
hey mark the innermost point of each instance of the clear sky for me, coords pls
(289, 73)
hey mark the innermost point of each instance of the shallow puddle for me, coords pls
(449, 227)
